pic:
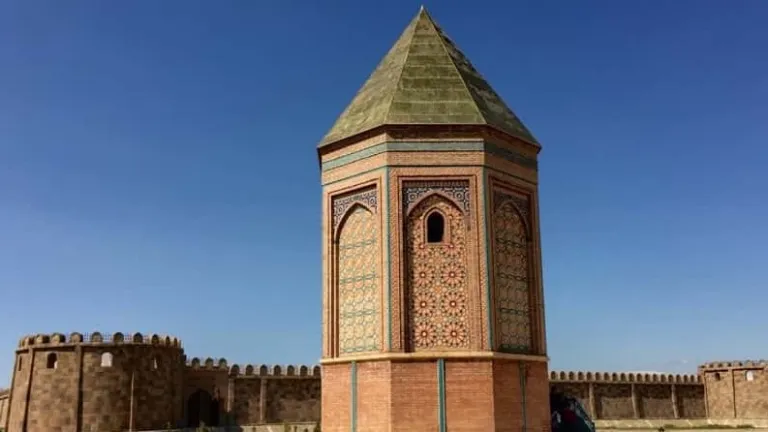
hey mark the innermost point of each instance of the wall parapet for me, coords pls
(247, 370)
(623, 377)
(97, 338)
(737, 364)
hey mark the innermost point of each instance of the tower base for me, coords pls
(413, 395)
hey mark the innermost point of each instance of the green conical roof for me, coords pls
(425, 80)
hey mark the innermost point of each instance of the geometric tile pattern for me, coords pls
(456, 189)
(358, 283)
(511, 274)
(341, 204)
(437, 279)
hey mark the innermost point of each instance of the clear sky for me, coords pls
(158, 169)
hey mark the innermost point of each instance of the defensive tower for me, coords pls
(95, 382)
(433, 316)
(736, 389)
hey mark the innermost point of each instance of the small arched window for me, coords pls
(154, 363)
(21, 363)
(717, 376)
(750, 376)
(52, 361)
(106, 359)
(435, 227)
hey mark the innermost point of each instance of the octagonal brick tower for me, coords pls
(433, 318)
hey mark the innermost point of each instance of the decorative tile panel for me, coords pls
(358, 282)
(341, 204)
(437, 279)
(511, 273)
(521, 203)
(458, 190)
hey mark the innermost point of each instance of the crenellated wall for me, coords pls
(95, 382)
(736, 389)
(67, 384)
(619, 396)
(253, 394)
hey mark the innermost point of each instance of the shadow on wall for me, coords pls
(203, 409)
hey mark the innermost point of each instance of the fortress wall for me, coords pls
(19, 386)
(53, 390)
(691, 403)
(4, 406)
(247, 407)
(736, 389)
(95, 382)
(147, 385)
(256, 394)
(623, 396)
(294, 399)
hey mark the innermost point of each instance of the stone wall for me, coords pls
(620, 396)
(4, 406)
(95, 383)
(253, 394)
(736, 389)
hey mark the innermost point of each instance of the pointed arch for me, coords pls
(437, 313)
(511, 253)
(357, 281)
(506, 200)
(431, 196)
(356, 205)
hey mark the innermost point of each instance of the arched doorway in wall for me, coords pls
(202, 409)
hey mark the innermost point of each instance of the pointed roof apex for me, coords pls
(425, 80)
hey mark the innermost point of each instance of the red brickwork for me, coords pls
(336, 415)
(414, 396)
(469, 395)
(374, 397)
(538, 416)
(507, 395)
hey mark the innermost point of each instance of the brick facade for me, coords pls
(403, 392)
(736, 389)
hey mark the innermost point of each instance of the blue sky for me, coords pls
(158, 169)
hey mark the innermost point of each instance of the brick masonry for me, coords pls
(736, 389)
(406, 391)
(4, 406)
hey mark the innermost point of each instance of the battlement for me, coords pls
(739, 364)
(623, 377)
(210, 364)
(96, 338)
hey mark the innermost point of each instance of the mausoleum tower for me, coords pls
(433, 318)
